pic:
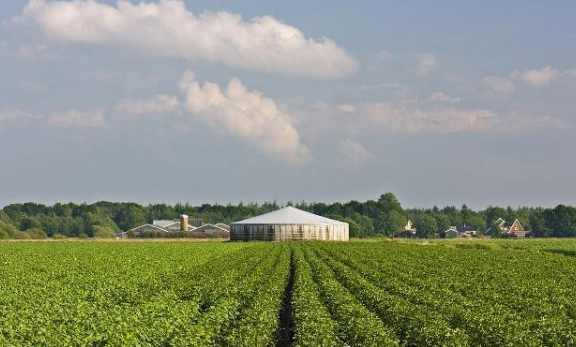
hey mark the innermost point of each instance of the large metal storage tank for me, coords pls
(289, 224)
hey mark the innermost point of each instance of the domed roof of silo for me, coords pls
(289, 215)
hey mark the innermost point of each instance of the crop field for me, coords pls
(501, 293)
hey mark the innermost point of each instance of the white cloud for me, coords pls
(169, 29)
(499, 84)
(13, 115)
(442, 97)
(158, 104)
(248, 115)
(426, 63)
(353, 154)
(76, 118)
(439, 120)
(444, 120)
(537, 77)
(347, 108)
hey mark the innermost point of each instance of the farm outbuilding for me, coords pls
(289, 224)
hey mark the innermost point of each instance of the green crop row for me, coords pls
(287, 294)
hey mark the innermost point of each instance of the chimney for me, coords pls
(184, 223)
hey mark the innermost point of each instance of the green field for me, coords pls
(473, 293)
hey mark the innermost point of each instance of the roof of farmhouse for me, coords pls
(289, 215)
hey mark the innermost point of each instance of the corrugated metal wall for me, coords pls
(289, 232)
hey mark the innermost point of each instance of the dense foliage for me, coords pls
(489, 293)
(384, 216)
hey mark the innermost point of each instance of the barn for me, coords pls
(289, 224)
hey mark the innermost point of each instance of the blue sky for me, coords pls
(227, 101)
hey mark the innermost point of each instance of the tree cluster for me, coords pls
(384, 217)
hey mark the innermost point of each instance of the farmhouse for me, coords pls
(289, 224)
(459, 231)
(514, 230)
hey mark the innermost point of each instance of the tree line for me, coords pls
(382, 217)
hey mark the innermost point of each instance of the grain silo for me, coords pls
(289, 224)
(184, 223)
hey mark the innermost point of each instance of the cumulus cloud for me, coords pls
(426, 63)
(169, 29)
(537, 77)
(353, 154)
(499, 84)
(159, 104)
(77, 118)
(247, 115)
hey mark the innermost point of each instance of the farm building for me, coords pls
(223, 226)
(211, 229)
(161, 227)
(289, 224)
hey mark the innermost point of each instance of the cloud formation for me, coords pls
(426, 63)
(424, 117)
(158, 104)
(442, 97)
(498, 84)
(13, 115)
(169, 29)
(247, 115)
(77, 118)
(535, 77)
(353, 154)
(438, 120)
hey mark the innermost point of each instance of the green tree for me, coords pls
(495, 231)
(562, 220)
(131, 216)
(26, 223)
(388, 202)
(390, 222)
(442, 222)
(426, 226)
(538, 225)
(477, 223)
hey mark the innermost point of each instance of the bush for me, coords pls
(59, 237)
(102, 232)
(220, 235)
(36, 234)
(177, 235)
(7, 231)
(198, 235)
(82, 236)
(20, 235)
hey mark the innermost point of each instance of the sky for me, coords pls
(441, 103)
